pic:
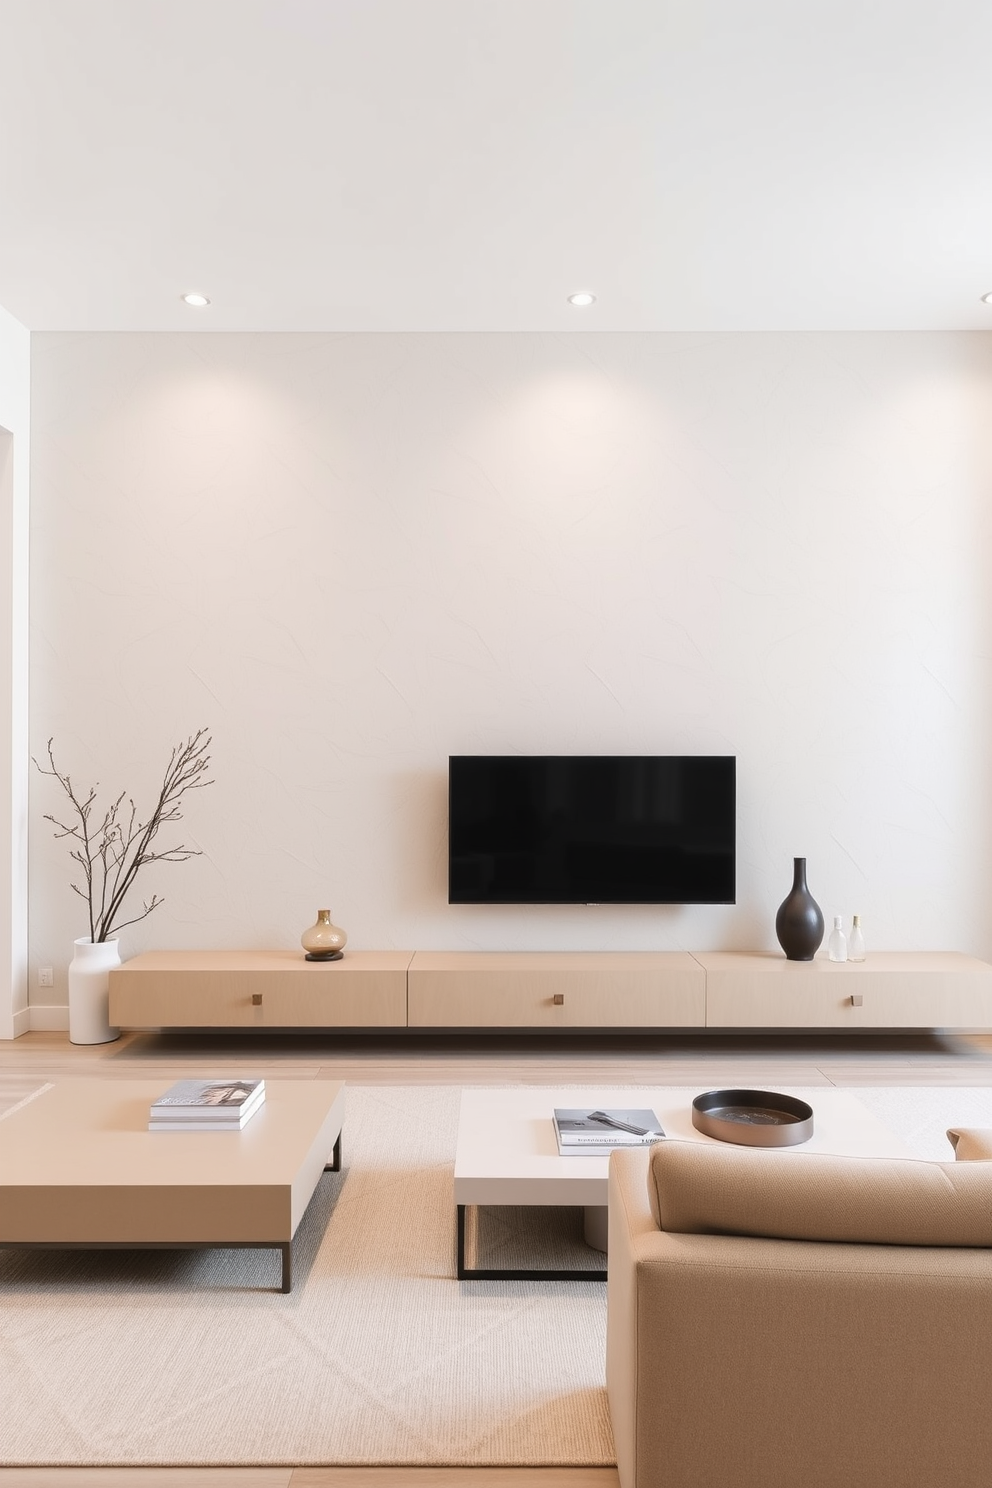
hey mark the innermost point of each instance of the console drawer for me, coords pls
(556, 990)
(260, 989)
(891, 989)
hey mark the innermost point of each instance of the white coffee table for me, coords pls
(507, 1152)
(79, 1169)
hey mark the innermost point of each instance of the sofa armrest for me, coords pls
(632, 1232)
(768, 1363)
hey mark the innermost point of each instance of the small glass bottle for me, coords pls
(856, 946)
(837, 944)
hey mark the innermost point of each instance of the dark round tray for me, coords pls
(753, 1118)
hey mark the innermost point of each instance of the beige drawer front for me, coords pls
(267, 990)
(547, 990)
(888, 990)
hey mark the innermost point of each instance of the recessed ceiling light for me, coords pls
(196, 299)
(987, 298)
(582, 298)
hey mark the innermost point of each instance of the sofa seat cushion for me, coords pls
(781, 1193)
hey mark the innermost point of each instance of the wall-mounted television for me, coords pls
(592, 829)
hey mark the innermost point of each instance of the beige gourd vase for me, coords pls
(324, 941)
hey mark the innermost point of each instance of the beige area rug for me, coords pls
(378, 1355)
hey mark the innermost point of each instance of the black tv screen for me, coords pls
(591, 829)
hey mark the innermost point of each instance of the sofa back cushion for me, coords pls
(970, 1143)
(705, 1189)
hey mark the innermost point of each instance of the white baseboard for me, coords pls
(21, 1022)
(47, 1017)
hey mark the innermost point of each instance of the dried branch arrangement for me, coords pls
(109, 853)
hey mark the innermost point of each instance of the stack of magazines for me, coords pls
(207, 1105)
(596, 1133)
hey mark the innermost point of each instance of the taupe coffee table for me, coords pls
(79, 1169)
(507, 1153)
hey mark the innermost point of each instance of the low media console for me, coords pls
(550, 990)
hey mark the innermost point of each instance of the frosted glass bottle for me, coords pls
(856, 945)
(837, 944)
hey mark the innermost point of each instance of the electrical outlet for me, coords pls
(46, 977)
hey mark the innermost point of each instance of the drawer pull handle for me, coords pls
(559, 999)
(857, 1000)
(256, 999)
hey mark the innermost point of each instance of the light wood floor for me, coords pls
(495, 1059)
(701, 1060)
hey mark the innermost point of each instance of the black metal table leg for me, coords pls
(484, 1273)
(287, 1266)
(461, 1242)
(334, 1166)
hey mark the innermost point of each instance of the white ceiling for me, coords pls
(465, 164)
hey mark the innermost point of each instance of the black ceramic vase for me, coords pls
(799, 923)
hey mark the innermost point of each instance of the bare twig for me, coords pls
(109, 855)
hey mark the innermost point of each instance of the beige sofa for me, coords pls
(800, 1321)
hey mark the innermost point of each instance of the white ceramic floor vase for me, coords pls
(89, 991)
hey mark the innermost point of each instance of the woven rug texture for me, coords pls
(377, 1355)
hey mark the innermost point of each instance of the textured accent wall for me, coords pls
(353, 555)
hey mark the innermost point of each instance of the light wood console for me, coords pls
(550, 990)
